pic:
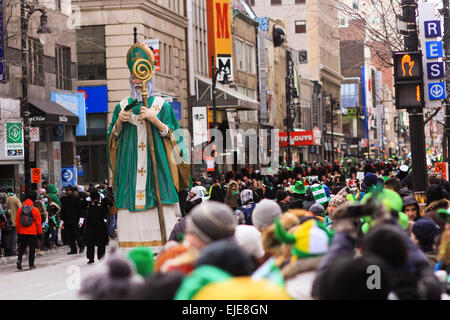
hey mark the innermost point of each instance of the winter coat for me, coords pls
(13, 204)
(217, 193)
(95, 229)
(178, 229)
(70, 209)
(431, 211)
(36, 226)
(299, 277)
(232, 199)
(242, 212)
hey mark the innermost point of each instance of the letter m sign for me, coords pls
(222, 12)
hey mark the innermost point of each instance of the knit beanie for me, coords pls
(317, 209)
(370, 179)
(143, 260)
(250, 240)
(425, 230)
(265, 213)
(211, 221)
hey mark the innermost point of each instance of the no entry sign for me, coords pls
(36, 175)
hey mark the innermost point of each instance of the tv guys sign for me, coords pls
(298, 138)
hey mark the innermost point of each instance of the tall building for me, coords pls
(104, 38)
(311, 28)
(57, 110)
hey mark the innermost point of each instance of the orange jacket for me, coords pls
(36, 227)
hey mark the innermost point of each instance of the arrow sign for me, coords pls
(437, 91)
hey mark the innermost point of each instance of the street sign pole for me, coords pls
(446, 40)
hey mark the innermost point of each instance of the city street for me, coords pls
(55, 276)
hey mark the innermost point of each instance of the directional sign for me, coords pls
(431, 41)
(436, 91)
(434, 49)
(435, 70)
(68, 176)
(433, 29)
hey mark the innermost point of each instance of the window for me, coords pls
(91, 150)
(240, 54)
(300, 26)
(275, 2)
(349, 95)
(250, 57)
(63, 74)
(35, 52)
(91, 53)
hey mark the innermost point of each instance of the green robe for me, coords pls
(126, 158)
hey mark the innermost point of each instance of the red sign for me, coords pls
(442, 168)
(36, 175)
(298, 138)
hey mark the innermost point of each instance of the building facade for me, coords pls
(56, 109)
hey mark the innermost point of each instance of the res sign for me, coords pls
(219, 36)
(408, 80)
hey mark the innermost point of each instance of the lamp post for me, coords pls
(26, 11)
(214, 73)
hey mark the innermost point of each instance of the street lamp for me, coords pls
(26, 11)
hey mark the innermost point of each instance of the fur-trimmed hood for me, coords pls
(301, 266)
(443, 203)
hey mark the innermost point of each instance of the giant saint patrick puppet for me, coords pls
(145, 150)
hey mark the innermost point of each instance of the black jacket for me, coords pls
(71, 209)
(95, 229)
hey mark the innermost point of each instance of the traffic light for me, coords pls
(408, 76)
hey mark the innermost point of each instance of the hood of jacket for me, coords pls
(28, 202)
(439, 204)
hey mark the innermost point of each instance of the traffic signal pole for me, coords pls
(446, 40)
(416, 123)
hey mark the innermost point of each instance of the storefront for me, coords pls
(52, 146)
(234, 150)
(11, 144)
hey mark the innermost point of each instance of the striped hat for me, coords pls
(310, 239)
(319, 193)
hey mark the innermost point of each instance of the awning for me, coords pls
(226, 98)
(49, 112)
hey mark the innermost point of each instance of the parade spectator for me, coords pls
(28, 228)
(10, 239)
(412, 210)
(192, 200)
(393, 184)
(70, 215)
(243, 214)
(250, 240)
(298, 192)
(283, 200)
(232, 195)
(265, 213)
(423, 233)
(95, 229)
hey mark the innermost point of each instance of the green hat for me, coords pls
(298, 188)
(444, 215)
(143, 260)
(139, 51)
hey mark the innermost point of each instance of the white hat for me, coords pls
(250, 240)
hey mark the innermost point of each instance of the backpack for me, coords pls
(248, 214)
(26, 216)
